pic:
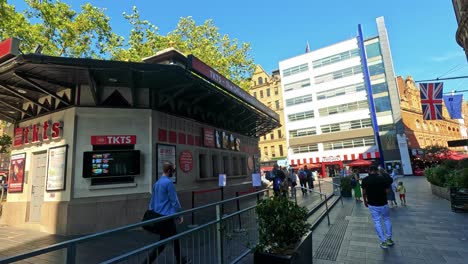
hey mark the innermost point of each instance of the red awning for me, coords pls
(358, 163)
(267, 168)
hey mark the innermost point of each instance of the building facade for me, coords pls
(461, 13)
(267, 89)
(326, 107)
(425, 133)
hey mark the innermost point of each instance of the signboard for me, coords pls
(186, 161)
(113, 140)
(226, 141)
(222, 180)
(200, 67)
(458, 143)
(166, 153)
(16, 178)
(9, 48)
(208, 138)
(56, 168)
(331, 159)
(256, 180)
(37, 133)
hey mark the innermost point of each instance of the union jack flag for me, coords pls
(431, 100)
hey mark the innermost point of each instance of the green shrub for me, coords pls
(450, 173)
(282, 224)
(346, 183)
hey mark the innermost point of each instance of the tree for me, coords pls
(59, 29)
(224, 54)
(5, 143)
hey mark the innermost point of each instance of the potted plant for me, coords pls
(284, 234)
(346, 186)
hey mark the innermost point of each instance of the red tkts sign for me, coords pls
(37, 133)
(208, 137)
(113, 140)
(9, 48)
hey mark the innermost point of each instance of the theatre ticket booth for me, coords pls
(90, 136)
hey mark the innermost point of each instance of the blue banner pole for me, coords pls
(370, 96)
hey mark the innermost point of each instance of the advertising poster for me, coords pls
(16, 179)
(186, 161)
(56, 168)
(222, 180)
(256, 180)
(166, 153)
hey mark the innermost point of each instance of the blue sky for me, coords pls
(421, 32)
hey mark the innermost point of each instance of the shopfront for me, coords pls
(90, 136)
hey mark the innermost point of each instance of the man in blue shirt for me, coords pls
(164, 202)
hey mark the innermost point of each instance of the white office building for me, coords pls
(326, 109)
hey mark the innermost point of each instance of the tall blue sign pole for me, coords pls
(370, 96)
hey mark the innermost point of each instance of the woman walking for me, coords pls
(356, 187)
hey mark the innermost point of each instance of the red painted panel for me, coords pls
(162, 135)
(172, 137)
(182, 138)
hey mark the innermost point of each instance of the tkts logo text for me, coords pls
(37, 133)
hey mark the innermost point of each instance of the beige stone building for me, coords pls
(424, 133)
(267, 89)
(461, 7)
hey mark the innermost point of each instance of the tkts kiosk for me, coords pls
(90, 135)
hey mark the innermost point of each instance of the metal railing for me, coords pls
(227, 239)
(70, 246)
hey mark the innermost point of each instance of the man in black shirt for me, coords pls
(374, 192)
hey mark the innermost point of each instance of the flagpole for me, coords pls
(367, 81)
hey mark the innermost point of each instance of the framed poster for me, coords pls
(166, 153)
(16, 178)
(56, 168)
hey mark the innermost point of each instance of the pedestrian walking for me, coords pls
(164, 202)
(374, 191)
(391, 191)
(292, 179)
(278, 177)
(402, 191)
(356, 187)
(303, 180)
(310, 178)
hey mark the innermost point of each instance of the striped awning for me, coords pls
(344, 157)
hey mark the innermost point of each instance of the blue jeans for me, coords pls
(378, 213)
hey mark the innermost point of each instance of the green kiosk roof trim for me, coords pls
(187, 88)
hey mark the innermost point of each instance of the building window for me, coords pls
(379, 88)
(297, 85)
(308, 131)
(227, 166)
(301, 116)
(279, 133)
(299, 100)
(261, 94)
(338, 74)
(235, 166)
(345, 126)
(264, 137)
(305, 149)
(273, 154)
(337, 109)
(376, 69)
(336, 58)
(437, 129)
(345, 90)
(373, 50)
(265, 151)
(431, 127)
(260, 80)
(268, 92)
(350, 143)
(276, 90)
(281, 150)
(382, 104)
(255, 94)
(296, 69)
(214, 161)
(243, 166)
(272, 136)
(202, 166)
(425, 125)
(418, 124)
(277, 104)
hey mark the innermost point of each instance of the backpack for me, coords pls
(302, 175)
(353, 182)
(276, 183)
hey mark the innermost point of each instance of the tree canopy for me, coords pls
(87, 33)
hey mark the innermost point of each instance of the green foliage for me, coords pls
(282, 224)
(346, 183)
(59, 29)
(5, 143)
(450, 173)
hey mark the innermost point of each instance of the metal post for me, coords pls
(295, 195)
(193, 206)
(71, 253)
(320, 186)
(219, 235)
(222, 199)
(238, 209)
(326, 207)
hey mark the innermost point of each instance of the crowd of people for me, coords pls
(284, 181)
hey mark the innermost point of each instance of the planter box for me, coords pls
(303, 254)
(442, 192)
(346, 193)
(459, 199)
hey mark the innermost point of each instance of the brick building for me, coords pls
(424, 133)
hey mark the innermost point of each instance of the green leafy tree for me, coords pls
(59, 29)
(226, 55)
(5, 143)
